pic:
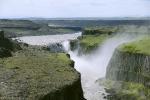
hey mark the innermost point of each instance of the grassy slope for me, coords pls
(93, 40)
(141, 46)
(89, 43)
(17, 28)
(130, 90)
(126, 90)
(32, 73)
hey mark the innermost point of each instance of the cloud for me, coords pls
(74, 8)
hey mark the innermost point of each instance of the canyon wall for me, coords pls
(130, 67)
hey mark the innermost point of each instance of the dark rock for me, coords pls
(68, 55)
(129, 67)
(72, 63)
(105, 97)
(74, 44)
(72, 92)
(56, 47)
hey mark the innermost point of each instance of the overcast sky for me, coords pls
(74, 8)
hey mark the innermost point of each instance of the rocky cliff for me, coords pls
(31, 73)
(130, 62)
(34, 74)
(91, 39)
(125, 66)
(130, 67)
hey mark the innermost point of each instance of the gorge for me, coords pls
(97, 63)
(92, 67)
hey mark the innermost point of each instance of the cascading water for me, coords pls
(93, 67)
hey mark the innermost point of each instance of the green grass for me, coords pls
(141, 46)
(91, 42)
(127, 90)
(35, 73)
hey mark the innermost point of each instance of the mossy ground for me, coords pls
(91, 42)
(141, 46)
(126, 90)
(31, 74)
(99, 30)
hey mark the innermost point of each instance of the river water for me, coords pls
(92, 66)
(48, 39)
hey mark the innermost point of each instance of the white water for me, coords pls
(47, 39)
(92, 67)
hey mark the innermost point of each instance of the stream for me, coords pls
(92, 66)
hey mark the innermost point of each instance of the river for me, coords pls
(92, 66)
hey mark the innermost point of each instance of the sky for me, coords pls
(74, 8)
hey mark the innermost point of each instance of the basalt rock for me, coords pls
(132, 67)
(56, 47)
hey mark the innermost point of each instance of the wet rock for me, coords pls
(125, 66)
(56, 47)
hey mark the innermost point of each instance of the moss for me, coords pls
(141, 46)
(32, 74)
(90, 42)
(126, 90)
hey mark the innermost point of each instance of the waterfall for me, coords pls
(47, 39)
(93, 66)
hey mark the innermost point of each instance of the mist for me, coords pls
(93, 66)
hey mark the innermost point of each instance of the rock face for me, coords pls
(31, 74)
(70, 92)
(56, 47)
(132, 67)
(86, 44)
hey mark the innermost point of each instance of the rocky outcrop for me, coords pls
(127, 66)
(34, 73)
(70, 92)
(56, 47)
(86, 44)
(74, 44)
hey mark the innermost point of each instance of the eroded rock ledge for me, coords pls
(31, 73)
(128, 71)
(126, 66)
